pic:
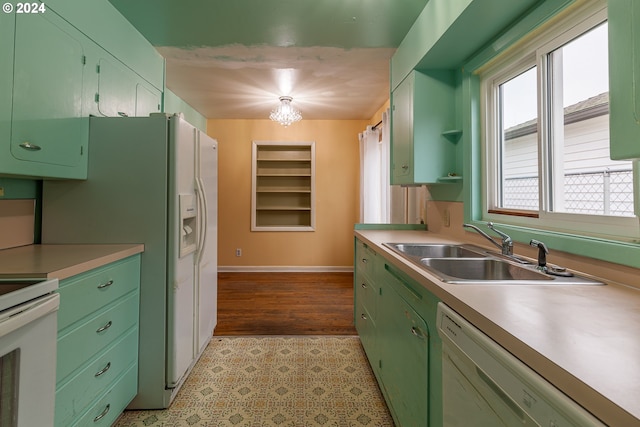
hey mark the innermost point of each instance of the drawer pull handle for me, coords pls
(104, 328)
(29, 146)
(103, 370)
(364, 286)
(363, 316)
(364, 260)
(103, 413)
(105, 285)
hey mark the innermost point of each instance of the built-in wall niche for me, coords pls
(283, 186)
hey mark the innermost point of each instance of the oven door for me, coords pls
(28, 362)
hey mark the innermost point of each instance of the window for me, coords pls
(546, 139)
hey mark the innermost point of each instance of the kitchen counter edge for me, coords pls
(61, 261)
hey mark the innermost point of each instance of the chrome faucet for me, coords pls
(506, 246)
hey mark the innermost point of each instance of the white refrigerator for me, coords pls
(152, 180)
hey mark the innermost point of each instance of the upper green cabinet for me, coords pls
(423, 134)
(624, 78)
(7, 32)
(48, 134)
(121, 92)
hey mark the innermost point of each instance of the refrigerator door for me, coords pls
(207, 254)
(181, 278)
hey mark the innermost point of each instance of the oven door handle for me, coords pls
(17, 317)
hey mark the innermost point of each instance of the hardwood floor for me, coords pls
(285, 304)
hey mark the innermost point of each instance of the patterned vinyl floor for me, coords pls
(289, 381)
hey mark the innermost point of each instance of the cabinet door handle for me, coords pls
(29, 146)
(105, 285)
(363, 316)
(364, 286)
(104, 328)
(364, 260)
(416, 332)
(103, 370)
(405, 167)
(102, 414)
(122, 114)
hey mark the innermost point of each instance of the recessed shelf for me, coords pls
(283, 186)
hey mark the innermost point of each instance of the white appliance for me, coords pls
(28, 330)
(484, 385)
(152, 180)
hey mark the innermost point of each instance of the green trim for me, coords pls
(592, 247)
(597, 248)
(20, 188)
(390, 227)
(519, 29)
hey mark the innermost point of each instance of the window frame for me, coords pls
(533, 52)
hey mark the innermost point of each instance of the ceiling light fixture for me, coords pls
(285, 113)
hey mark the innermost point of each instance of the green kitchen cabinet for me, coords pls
(366, 292)
(148, 100)
(395, 317)
(121, 92)
(97, 358)
(404, 356)
(423, 134)
(48, 134)
(624, 79)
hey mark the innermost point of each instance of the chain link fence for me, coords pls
(594, 193)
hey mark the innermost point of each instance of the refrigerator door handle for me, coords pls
(204, 221)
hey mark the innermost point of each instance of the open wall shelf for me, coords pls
(283, 186)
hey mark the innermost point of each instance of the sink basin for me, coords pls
(469, 264)
(482, 269)
(434, 251)
(490, 271)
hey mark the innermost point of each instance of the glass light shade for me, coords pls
(285, 113)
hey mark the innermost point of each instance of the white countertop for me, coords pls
(583, 339)
(60, 261)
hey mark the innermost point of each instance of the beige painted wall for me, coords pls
(337, 195)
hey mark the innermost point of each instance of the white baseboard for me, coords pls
(284, 269)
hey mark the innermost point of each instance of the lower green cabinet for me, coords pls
(404, 355)
(395, 318)
(97, 357)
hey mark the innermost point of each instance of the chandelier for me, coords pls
(285, 113)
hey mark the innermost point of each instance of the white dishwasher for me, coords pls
(484, 385)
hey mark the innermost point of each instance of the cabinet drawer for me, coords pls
(108, 407)
(366, 293)
(366, 328)
(86, 293)
(74, 397)
(365, 259)
(89, 338)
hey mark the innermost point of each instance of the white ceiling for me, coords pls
(233, 59)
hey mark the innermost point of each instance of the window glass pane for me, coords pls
(583, 178)
(518, 142)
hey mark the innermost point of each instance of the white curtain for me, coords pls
(374, 173)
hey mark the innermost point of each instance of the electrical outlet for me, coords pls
(238, 252)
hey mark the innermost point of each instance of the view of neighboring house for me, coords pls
(590, 183)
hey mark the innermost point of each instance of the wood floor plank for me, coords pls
(285, 304)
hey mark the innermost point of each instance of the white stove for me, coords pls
(28, 328)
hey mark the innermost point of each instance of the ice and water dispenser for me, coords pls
(188, 223)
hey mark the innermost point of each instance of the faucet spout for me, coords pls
(506, 247)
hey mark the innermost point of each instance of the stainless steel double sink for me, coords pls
(469, 264)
